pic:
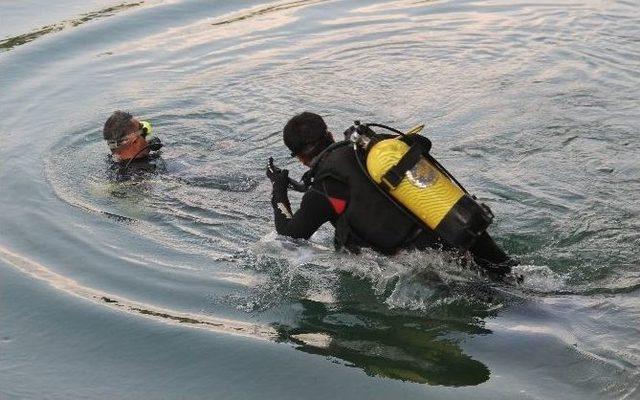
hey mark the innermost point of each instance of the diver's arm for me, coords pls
(314, 211)
(281, 205)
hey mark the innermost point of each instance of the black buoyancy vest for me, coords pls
(370, 219)
(151, 164)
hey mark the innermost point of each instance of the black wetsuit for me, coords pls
(125, 170)
(323, 202)
(328, 200)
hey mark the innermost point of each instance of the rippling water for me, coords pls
(175, 285)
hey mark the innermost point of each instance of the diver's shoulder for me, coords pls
(127, 169)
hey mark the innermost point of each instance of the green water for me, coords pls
(176, 286)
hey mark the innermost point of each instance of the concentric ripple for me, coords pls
(532, 105)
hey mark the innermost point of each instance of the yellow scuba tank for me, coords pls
(425, 191)
(417, 182)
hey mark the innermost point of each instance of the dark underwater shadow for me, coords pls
(365, 334)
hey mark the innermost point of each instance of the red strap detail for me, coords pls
(338, 205)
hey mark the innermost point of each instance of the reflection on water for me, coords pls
(355, 327)
(362, 332)
(397, 347)
(246, 14)
(532, 105)
(220, 325)
(10, 43)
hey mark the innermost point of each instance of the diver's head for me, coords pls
(306, 135)
(125, 136)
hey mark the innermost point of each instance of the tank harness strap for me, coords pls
(395, 174)
(337, 204)
(345, 237)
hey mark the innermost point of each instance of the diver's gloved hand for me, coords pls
(280, 180)
(278, 177)
(154, 144)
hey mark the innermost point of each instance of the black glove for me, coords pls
(280, 180)
(279, 177)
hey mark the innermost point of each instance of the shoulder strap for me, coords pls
(395, 174)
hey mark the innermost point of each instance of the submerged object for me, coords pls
(402, 167)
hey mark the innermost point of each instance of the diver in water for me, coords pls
(337, 191)
(133, 150)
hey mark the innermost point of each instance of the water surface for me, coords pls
(175, 285)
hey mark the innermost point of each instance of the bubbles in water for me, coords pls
(540, 279)
(418, 281)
